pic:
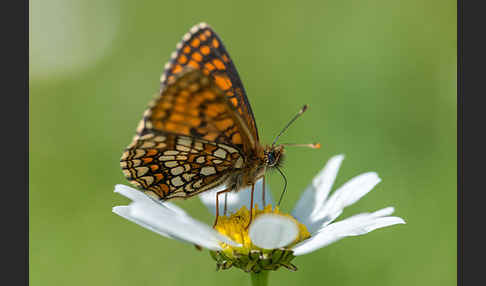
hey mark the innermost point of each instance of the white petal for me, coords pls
(317, 192)
(138, 196)
(383, 212)
(169, 221)
(355, 225)
(346, 195)
(174, 208)
(131, 193)
(235, 200)
(354, 189)
(376, 224)
(181, 227)
(124, 211)
(271, 231)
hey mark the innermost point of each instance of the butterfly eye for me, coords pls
(271, 158)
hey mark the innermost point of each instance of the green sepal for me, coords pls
(255, 261)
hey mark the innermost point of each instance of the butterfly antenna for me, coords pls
(285, 186)
(302, 110)
(312, 145)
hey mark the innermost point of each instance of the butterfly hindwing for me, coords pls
(174, 166)
(202, 49)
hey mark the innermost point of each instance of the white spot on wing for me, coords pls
(136, 162)
(171, 164)
(161, 145)
(147, 136)
(166, 158)
(177, 171)
(141, 171)
(148, 144)
(160, 138)
(200, 159)
(198, 146)
(183, 148)
(220, 153)
(177, 181)
(228, 148)
(139, 153)
(186, 37)
(209, 170)
(184, 141)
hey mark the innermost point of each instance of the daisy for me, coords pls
(274, 238)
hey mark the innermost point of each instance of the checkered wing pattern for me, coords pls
(202, 49)
(168, 166)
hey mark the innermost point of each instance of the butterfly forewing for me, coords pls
(193, 105)
(202, 49)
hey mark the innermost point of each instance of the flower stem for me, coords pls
(259, 279)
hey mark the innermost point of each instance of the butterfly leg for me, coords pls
(225, 203)
(263, 193)
(251, 205)
(217, 204)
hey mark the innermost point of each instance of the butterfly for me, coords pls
(199, 132)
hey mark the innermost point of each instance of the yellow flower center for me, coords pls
(250, 257)
(235, 226)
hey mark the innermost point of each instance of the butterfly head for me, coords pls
(273, 156)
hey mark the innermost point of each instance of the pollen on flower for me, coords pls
(250, 257)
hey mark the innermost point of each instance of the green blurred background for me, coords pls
(380, 79)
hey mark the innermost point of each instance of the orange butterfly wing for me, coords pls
(192, 104)
(202, 49)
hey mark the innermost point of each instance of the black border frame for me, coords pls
(14, 23)
(471, 155)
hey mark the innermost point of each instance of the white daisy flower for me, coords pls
(273, 239)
